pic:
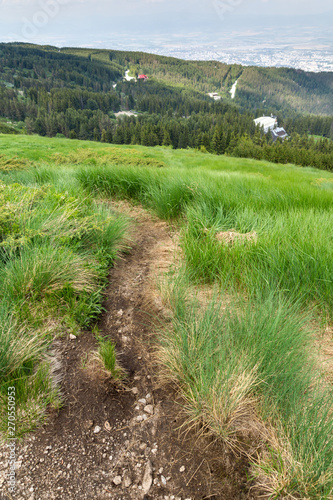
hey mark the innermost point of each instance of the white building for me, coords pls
(279, 133)
(268, 122)
(215, 96)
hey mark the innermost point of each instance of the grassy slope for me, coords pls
(38, 148)
(264, 358)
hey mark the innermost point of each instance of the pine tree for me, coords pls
(216, 142)
(233, 143)
(166, 138)
(96, 134)
(103, 138)
(223, 144)
(118, 136)
(205, 141)
(127, 135)
(152, 139)
(144, 137)
(109, 137)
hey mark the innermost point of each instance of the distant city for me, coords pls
(305, 47)
(309, 60)
(309, 48)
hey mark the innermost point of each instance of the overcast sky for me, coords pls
(62, 21)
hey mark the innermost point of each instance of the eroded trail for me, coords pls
(112, 443)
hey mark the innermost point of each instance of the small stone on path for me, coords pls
(149, 409)
(127, 481)
(117, 480)
(147, 477)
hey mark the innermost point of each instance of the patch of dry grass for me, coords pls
(13, 163)
(107, 156)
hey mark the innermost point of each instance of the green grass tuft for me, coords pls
(107, 358)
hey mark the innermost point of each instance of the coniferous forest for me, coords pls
(76, 92)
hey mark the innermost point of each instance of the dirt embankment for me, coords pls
(123, 443)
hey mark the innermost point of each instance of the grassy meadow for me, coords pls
(249, 302)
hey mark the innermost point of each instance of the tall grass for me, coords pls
(19, 344)
(241, 364)
(294, 245)
(292, 252)
(44, 269)
(167, 196)
(230, 190)
(55, 254)
(61, 178)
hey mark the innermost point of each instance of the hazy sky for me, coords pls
(62, 21)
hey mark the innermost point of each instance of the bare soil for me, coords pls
(113, 442)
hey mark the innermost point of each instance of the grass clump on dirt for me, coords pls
(55, 253)
(106, 360)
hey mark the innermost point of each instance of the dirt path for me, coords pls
(112, 443)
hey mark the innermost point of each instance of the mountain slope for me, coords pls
(283, 89)
(272, 89)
